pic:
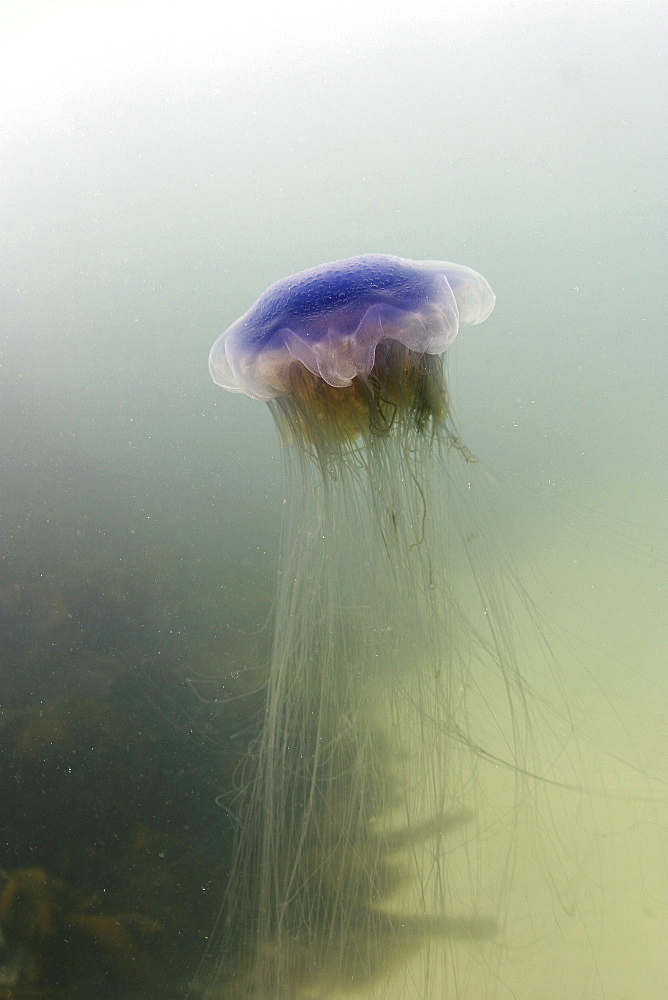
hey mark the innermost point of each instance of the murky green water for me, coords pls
(159, 170)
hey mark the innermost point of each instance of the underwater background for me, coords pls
(161, 165)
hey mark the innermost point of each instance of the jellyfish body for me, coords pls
(332, 318)
(352, 767)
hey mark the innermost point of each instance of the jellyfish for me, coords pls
(355, 787)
